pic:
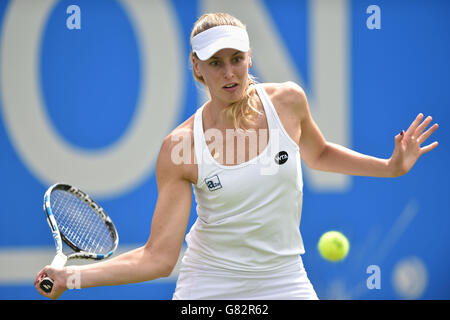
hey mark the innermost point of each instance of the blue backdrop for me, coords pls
(104, 94)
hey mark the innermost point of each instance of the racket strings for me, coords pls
(80, 224)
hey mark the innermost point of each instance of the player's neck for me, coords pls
(215, 117)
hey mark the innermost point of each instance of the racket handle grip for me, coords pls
(46, 285)
(58, 262)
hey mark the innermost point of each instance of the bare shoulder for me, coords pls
(287, 97)
(287, 88)
(176, 155)
(185, 130)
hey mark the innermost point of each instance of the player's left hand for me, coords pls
(408, 145)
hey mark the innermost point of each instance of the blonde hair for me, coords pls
(244, 111)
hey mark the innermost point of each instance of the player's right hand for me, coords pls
(59, 283)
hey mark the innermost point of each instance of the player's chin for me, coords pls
(234, 98)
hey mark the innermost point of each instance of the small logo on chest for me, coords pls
(213, 183)
(281, 157)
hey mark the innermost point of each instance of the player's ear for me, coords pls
(195, 67)
(250, 64)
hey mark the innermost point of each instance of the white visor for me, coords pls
(207, 43)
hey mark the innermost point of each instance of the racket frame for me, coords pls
(58, 236)
(60, 258)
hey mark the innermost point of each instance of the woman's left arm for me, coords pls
(322, 155)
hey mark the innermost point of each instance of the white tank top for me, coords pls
(248, 214)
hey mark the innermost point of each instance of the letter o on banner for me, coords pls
(126, 163)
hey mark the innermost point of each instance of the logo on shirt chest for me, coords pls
(281, 157)
(213, 183)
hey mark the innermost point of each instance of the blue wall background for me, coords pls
(400, 225)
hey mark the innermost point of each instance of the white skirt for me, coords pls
(202, 283)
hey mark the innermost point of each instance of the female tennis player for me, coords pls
(245, 243)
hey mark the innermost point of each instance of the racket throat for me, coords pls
(59, 260)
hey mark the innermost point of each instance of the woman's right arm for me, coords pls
(158, 256)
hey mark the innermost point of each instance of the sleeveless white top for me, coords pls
(248, 214)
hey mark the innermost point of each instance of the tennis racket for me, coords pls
(81, 223)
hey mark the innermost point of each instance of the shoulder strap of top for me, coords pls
(198, 139)
(272, 114)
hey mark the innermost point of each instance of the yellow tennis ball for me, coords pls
(333, 246)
